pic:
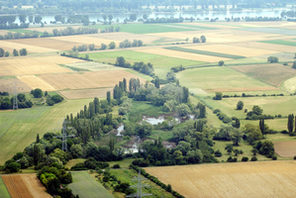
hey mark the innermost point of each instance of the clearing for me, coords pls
(239, 180)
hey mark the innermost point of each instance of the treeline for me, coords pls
(6, 102)
(164, 20)
(64, 32)
(290, 13)
(138, 66)
(21, 52)
(127, 44)
(8, 22)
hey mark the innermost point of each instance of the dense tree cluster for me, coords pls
(126, 43)
(6, 102)
(138, 66)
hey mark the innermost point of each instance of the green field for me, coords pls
(19, 128)
(86, 186)
(223, 79)
(280, 42)
(140, 28)
(283, 105)
(208, 53)
(128, 176)
(139, 109)
(162, 64)
(3, 190)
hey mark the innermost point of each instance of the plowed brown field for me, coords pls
(24, 186)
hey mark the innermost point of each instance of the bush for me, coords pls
(274, 157)
(221, 63)
(245, 159)
(218, 153)
(254, 158)
(37, 93)
(116, 166)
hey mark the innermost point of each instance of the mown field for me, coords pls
(19, 128)
(86, 186)
(3, 190)
(245, 179)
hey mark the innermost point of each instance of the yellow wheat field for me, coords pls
(33, 65)
(34, 82)
(100, 79)
(85, 93)
(231, 180)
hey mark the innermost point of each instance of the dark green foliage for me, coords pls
(51, 100)
(254, 158)
(37, 93)
(239, 105)
(221, 63)
(203, 39)
(294, 65)
(23, 52)
(143, 130)
(290, 124)
(218, 153)
(138, 66)
(218, 96)
(245, 159)
(231, 159)
(112, 45)
(195, 40)
(273, 59)
(235, 122)
(11, 166)
(265, 148)
(116, 166)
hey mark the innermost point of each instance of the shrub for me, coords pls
(254, 158)
(116, 166)
(221, 63)
(274, 157)
(218, 153)
(245, 159)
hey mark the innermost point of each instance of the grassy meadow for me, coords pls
(3, 190)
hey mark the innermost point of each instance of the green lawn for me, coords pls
(208, 53)
(140, 28)
(3, 190)
(86, 186)
(223, 79)
(162, 64)
(19, 128)
(164, 135)
(280, 42)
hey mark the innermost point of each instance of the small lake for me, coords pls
(154, 121)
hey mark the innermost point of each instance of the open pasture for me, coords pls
(281, 42)
(232, 49)
(273, 74)
(24, 186)
(239, 180)
(10, 84)
(161, 64)
(86, 93)
(34, 82)
(221, 79)
(9, 45)
(86, 186)
(285, 148)
(33, 65)
(100, 79)
(179, 54)
(19, 128)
